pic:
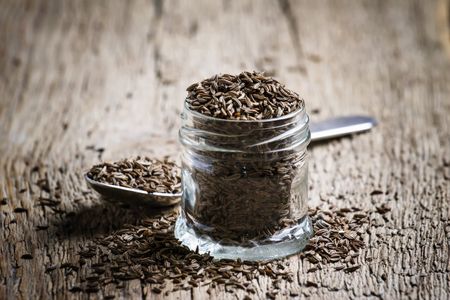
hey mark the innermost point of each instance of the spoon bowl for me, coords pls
(131, 196)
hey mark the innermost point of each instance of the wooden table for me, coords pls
(84, 79)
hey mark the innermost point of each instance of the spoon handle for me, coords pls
(341, 126)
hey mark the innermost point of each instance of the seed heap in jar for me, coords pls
(247, 96)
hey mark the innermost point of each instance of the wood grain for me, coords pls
(112, 75)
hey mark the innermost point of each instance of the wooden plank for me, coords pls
(83, 75)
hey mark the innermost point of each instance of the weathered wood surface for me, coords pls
(112, 74)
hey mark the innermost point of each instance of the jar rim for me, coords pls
(281, 118)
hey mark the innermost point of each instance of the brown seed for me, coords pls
(352, 268)
(311, 284)
(20, 210)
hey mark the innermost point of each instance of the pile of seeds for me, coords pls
(338, 237)
(248, 179)
(150, 175)
(149, 252)
(247, 96)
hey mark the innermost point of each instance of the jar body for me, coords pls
(244, 186)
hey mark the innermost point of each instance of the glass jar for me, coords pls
(245, 186)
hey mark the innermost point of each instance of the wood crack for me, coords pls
(443, 24)
(291, 21)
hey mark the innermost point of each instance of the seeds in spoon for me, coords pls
(150, 175)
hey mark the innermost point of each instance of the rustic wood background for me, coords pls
(88, 80)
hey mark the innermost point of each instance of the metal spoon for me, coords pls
(340, 126)
(328, 129)
(115, 193)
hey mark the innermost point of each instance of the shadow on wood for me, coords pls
(104, 218)
(334, 140)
